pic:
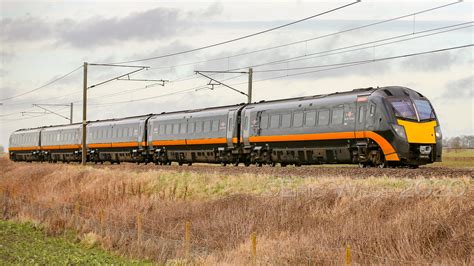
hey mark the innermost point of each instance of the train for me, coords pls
(373, 127)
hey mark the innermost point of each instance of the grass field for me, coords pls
(456, 158)
(25, 243)
(142, 214)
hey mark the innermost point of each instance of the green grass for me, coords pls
(26, 244)
(466, 153)
(456, 158)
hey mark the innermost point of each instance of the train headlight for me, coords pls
(438, 133)
(400, 130)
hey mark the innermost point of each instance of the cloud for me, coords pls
(153, 24)
(24, 29)
(459, 89)
(434, 62)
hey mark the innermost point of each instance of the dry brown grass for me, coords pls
(297, 221)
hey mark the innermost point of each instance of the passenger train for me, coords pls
(372, 127)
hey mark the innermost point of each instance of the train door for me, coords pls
(245, 127)
(231, 122)
(360, 119)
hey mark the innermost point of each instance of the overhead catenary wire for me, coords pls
(42, 86)
(239, 38)
(279, 46)
(335, 66)
(311, 39)
(364, 61)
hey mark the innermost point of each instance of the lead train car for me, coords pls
(393, 126)
(372, 127)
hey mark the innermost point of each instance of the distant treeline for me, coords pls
(459, 142)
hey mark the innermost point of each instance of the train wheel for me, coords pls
(273, 164)
(247, 164)
(259, 164)
(283, 164)
(190, 164)
(180, 163)
(223, 163)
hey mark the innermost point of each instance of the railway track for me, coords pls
(306, 171)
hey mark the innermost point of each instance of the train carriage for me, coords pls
(61, 143)
(24, 145)
(118, 140)
(364, 126)
(208, 135)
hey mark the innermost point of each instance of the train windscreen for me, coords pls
(425, 111)
(403, 108)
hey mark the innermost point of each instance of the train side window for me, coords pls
(130, 131)
(175, 129)
(207, 126)
(191, 127)
(109, 133)
(323, 117)
(286, 120)
(264, 121)
(310, 118)
(199, 127)
(298, 119)
(215, 125)
(168, 129)
(372, 109)
(182, 128)
(161, 129)
(361, 114)
(119, 132)
(274, 121)
(337, 116)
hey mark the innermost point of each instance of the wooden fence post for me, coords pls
(101, 220)
(253, 238)
(187, 239)
(139, 228)
(348, 255)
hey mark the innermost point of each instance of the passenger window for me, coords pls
(169, 129)
(114, 132)
(191, 127)
(298, 119)
(161, 129)
(372, 110)
(199, 127)
(120, 132)
(109, 132)
(207, 126)
(264, 121)
(310, 118)
(361, 114)
(182, 128)
(215, 125)
(285, 120)
(337, 116)
(274, 121)
(323, 117)
(130, 131)
(175, 129)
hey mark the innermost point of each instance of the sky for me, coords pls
(42, 40)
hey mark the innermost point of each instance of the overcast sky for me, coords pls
(43, 40)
